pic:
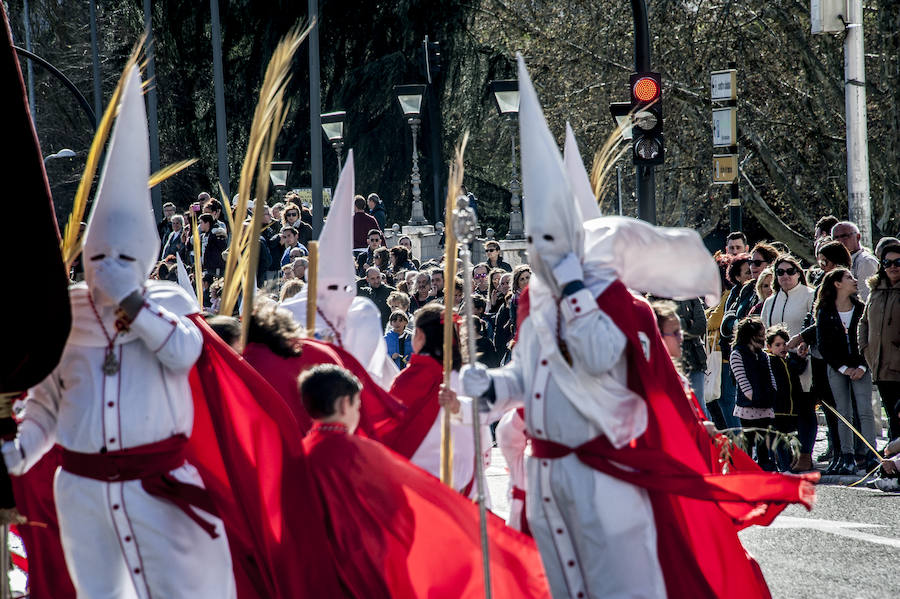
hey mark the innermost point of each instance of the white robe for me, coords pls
(120, 542)
(428, 455)
(512, 441)
(360, 333)
(596, 533)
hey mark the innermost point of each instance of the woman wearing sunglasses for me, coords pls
(788, 306)
(838, 314)
(879, 333)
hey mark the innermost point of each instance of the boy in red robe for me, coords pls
(389, 523)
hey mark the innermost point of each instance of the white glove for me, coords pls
(568, 270)
(13, 456)
(475, 380)
(115, 280)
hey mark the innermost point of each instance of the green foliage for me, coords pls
(579, 53)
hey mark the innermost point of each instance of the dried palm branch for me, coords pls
(166, 172)
(268, 119)
(70, 246)
(454, 189)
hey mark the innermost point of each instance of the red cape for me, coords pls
(45, 564)
(396, 531)
(698, 509)
(246, 446)
(381, 413)
(417, 387)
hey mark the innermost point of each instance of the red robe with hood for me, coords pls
(382, 415)
(396, 531)
(701, 496)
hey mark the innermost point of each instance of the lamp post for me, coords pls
(64, 153)
(278, 174)
(410, 98)
(506, 95)
(333, 127)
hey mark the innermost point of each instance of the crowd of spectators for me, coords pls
(789, 338)
(785, 338)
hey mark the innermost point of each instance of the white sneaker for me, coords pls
(888, 485)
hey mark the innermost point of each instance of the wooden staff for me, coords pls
(449, 293)
(198, 272)
(312, 275)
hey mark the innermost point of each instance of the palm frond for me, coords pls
(168, 171)
(268, 119)
(70, 246)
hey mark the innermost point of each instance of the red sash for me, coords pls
(151, 465)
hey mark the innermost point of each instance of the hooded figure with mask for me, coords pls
(120, 406)
(626, 492)
(568, 351)
(351, 322)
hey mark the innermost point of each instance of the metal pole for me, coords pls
(26, 21)
(619, 186)
(437, 163)
(417, 215)
(337, 150)
(4, 561)
(465, 226)
(152, 115)
(857, 145)
(516, 226)
(219, 82)
(734, 207)
(644, 175)
(95, 59)
(645, 190)
(315, 120)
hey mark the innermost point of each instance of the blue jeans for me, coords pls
(696, 379)
(727, 399)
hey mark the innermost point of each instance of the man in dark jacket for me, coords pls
(378, 293)
(212, 244)
(376, 209)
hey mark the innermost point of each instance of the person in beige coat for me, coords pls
(879, 333)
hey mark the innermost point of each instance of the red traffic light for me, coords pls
(645, 89)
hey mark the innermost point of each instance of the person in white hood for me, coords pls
(343, 318)
(120, 405)
(596, 533)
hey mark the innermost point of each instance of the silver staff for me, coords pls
(465, 226)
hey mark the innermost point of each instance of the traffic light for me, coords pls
(648, 146)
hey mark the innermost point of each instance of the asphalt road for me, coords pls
(847, 547)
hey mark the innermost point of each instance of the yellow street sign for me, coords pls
(725, 169)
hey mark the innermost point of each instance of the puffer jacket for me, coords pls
(879, 332)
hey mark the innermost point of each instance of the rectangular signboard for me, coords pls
(723, 85)
(725, 169)
(724, 127)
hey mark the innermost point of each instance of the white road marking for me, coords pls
(836, 527)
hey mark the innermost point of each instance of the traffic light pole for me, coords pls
(644, 174)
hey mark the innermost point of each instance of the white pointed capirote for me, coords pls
(337, 271)
(553, 221)
(183, 279)
(122, 226)
(578, 177)
(350, 321)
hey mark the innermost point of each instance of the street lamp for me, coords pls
(410, 98)
(506, 95)
(333, 126)
(64, 153)
(278, 174)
